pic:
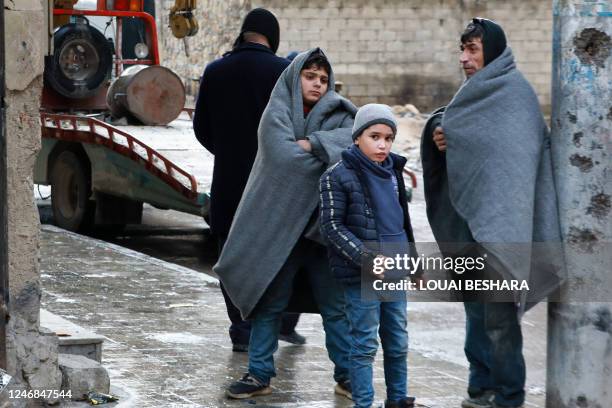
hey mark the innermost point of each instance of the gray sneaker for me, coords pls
(482, 401)
(344, 388)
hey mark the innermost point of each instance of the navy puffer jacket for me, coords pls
(347, 220)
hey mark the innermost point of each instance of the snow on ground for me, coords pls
(407, 142)
(178, 143)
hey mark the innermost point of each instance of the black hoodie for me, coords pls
(494, 39)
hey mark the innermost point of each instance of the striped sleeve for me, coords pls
(333, 203)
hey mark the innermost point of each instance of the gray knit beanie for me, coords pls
(373, 114)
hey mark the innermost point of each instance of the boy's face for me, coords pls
(375, 142)
(314, 84)
(472, 56)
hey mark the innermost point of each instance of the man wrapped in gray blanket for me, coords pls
(488, 181)
(273, 253)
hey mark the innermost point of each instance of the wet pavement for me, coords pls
(167, 334)
(166, 324)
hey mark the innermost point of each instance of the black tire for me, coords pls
(70, 192)
(81, 61)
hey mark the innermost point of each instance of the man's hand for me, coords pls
(305, 144)
(439, 139)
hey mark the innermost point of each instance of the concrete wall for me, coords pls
(31, 352)
(579, 346)
(392, 51)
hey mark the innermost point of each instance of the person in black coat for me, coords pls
(234, 91)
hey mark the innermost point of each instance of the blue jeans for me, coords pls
(240, 330)
(494, 349)
(389, 319)
(310, 258)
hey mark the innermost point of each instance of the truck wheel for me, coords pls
(81, 61)
(70, 191)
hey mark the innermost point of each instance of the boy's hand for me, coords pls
(439, 139)
(380, 275)
(305, 144)
(419, 281)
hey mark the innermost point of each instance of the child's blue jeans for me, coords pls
(366, 319)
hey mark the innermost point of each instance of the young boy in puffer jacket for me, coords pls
(363, 200)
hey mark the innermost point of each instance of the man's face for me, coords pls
(314, 84)
(375, 142)
(472, 56)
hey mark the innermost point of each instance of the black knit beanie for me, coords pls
(494, 40)
(261, 21)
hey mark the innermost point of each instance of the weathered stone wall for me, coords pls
(219, 25)
(31, 352)
(392, 51)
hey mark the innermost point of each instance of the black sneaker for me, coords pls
(240, 348)
(407, 402)
(344, 388)
(496, 405)
(293, 338)
(247, 387)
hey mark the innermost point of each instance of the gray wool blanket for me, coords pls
(281, 194)
(494, 184)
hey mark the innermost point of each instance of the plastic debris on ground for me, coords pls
(98, 398)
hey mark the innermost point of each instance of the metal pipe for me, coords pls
(579, 357)
(118, 47)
